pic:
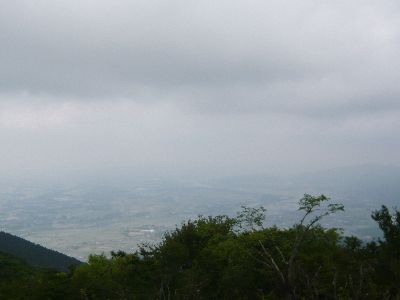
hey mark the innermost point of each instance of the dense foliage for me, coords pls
(233, 258)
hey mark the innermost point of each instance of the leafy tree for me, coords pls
(314, 208)
(390, 226)
(250, 218)
(387, 256)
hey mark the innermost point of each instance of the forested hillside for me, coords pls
(225, 257)
(34, 254)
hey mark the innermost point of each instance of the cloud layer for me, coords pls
(234, 86)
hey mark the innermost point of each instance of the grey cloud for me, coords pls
(311, 56)
(214, 87)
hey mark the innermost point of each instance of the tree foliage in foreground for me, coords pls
(234, 258)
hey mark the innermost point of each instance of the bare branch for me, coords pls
(281, 254)
(276, 267)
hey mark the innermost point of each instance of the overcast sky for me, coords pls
(198, 87)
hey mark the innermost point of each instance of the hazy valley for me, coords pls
(98, 216)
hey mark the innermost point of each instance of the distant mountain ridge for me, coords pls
(379, 183)
(375, 182)
(35, 254)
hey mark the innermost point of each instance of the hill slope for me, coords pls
(34, 254)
